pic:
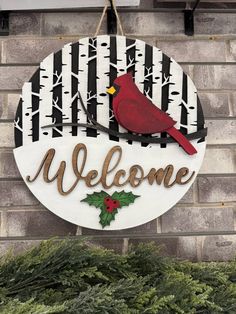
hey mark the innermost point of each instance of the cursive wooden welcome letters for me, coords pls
(134, 177)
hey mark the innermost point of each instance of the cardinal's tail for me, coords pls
(181, 139)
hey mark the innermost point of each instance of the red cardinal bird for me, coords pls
(136, 113)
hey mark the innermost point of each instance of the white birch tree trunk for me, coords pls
(27, 113)
(83, 83)
(176, 77)
(121, 64)
(153, 73)
(103, 81)
(157, 77)
(192, 107)
(46, 94)
(66, 89)
(139, 69)
(140, 64)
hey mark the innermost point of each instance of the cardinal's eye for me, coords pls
(117, 88)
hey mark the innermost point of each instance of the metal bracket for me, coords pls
(111, 20)
(4, 23)
(189, 19)
(189, 22)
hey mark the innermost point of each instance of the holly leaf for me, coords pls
(96, 199)
(124, 198)
(106, 217)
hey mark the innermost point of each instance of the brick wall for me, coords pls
(201, 226)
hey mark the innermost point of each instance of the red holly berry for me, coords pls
(111, 204)
(116, 203)
(109, 209)
(107, 200)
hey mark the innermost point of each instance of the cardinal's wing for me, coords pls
(140, 119)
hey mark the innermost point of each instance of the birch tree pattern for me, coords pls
(89, 67)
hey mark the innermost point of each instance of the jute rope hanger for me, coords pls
(113, 5)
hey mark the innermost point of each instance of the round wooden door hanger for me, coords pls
(109, 133)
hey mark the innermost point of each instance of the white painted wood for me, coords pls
(59, 4)
(192, 102)
(139, 67)
(121, 64)
(154, 199)
(83, 83)
(157, 77)
(66, 88)
(45, 96)
(27, 112)
(139, 64)
(176, 77)
(103, 81)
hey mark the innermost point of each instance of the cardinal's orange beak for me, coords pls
(111, 90)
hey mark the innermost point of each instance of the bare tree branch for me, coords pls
(184, 104)
(58, 81)
(114, 65)
(56, 126)
(149, 73)
(111, 118)
(55, 104)
(130, 46)
(35, 112)
(146, 93)
(65, 117)
(75, 75)
(93, 45)
(133, 137)
(16, 125)
(183, 125)
(166, 80)
(89, 97)
(76, 96)
(92, 58)
(56, 129)
(131, 63)
(35, 94)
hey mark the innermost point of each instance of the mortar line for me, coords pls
(159, 229)
(190, 63)
(199, 246)
(12, 91)
(228, 118)
(159, 37)
(208, 205)
(130, 236)
(38, 207)
(23, 209)
(79, 231)
(125, 246)
(227, 175)
(4, 65)
(195, 192)
(3, 224)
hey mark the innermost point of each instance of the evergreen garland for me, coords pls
(72, 276)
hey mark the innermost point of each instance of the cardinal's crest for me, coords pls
(75, 148)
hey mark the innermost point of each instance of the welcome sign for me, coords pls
(109, 133)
